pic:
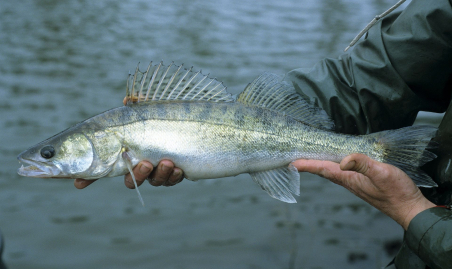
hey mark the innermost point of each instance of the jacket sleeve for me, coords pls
(429, 236)
(403, 66)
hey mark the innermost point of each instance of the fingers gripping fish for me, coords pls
(186, 117)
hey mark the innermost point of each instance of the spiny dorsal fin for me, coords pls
(161, 83)
(270, 92)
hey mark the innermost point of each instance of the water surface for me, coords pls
(64, 61)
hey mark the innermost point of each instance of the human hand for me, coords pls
(166, 174)
(383, 186)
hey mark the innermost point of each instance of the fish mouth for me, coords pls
(37, 169)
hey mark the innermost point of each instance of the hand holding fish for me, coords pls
(383, 186)
(165, 175)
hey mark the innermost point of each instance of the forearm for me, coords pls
(401, 67)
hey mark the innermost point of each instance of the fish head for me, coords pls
(66, 155)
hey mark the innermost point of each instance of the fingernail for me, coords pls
(163, 167)
(350, 165)
(176, 173)
(144, 169)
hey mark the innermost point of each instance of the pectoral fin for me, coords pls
(279, 183)
(126, 159)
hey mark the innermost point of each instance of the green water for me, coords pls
(64, 61)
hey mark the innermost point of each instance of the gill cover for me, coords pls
(75, 154)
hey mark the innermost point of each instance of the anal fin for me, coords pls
(279, 183)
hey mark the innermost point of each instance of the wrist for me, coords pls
(418, 207)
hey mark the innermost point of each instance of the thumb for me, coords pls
(360, 163)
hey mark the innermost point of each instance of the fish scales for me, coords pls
(227, 135)
(177, 114)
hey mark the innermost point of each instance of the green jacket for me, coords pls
(403, 66)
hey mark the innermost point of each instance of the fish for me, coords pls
(187, 117)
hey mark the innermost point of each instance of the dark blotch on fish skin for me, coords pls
(187, 108)
(260, 114)
(239, 118)
(206, 112)
(161, 111)
(223, 109)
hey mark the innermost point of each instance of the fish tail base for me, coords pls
(407, 149)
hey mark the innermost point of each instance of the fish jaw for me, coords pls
(38, 169)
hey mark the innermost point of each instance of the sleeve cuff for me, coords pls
(426, 233)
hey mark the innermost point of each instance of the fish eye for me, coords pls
(47, 152)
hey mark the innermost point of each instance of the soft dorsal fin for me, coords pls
(161, 83)
(270, 92)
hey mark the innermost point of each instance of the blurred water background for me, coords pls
(64, 61)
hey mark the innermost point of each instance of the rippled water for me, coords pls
(63, 61)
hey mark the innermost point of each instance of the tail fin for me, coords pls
(406, 148)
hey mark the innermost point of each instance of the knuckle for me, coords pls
(384, 173)
(323, 171)
(362, 167)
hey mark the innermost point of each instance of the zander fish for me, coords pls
(186, 117)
